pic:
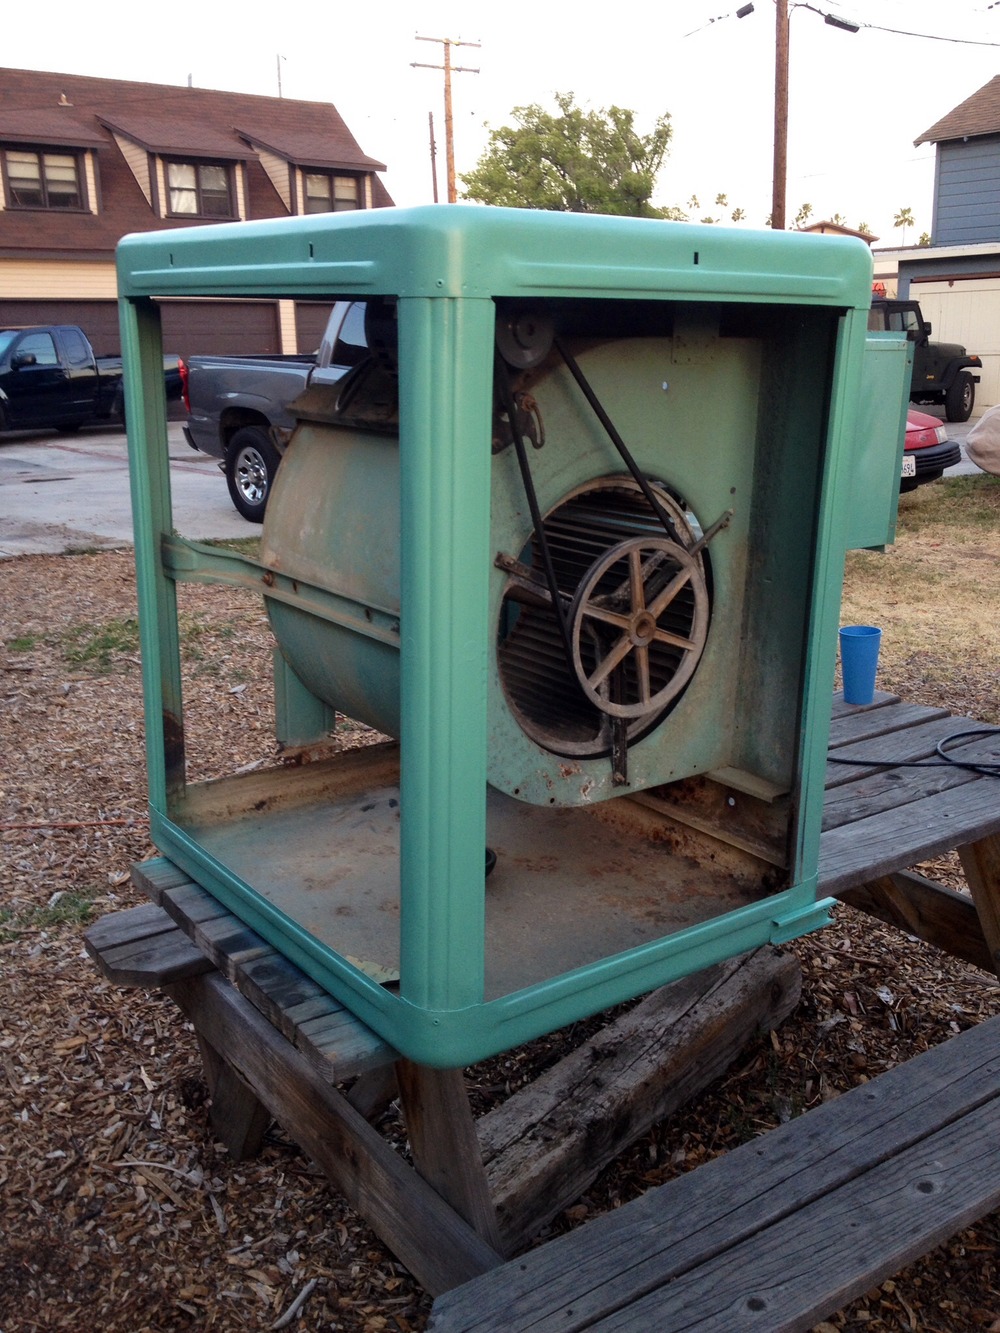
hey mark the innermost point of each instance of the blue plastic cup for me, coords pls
(859, 645)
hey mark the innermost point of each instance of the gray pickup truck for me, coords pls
(238, 406)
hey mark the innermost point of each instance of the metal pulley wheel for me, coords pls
(524, 336)
(638, 625)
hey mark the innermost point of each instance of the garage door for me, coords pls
(310, 323)
(223, 328)
(967, 311)
(98, 319)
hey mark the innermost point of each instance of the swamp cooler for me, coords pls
(568, 534)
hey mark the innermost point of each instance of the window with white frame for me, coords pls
(40, 178)
(200, 189)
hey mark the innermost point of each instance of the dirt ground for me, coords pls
(118, 1209)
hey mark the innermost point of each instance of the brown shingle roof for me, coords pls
(978, 114)
(60, 126)
(178, 134)
(303, 146)
(36, 106)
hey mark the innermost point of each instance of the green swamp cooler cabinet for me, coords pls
(569, 533)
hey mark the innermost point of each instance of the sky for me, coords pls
(856, 101)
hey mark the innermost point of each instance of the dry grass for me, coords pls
(935, 594)
(120, 1212)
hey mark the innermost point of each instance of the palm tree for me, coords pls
(904, 219)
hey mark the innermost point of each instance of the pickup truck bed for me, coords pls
(238, 406)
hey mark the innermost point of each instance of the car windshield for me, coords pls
(7, 336)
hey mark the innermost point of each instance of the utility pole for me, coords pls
(779, 188)
(434, 154)
(780, 172)
(449, 132)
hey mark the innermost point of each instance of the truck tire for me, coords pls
(960, 397)
(251, 464)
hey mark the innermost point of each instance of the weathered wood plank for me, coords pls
(894, 840)
(150, 960)
(444, 1145)
(156, 875)
(342, 1046)
(840, 1245)
(861, 724)
(614, 1261)
(438, 1247)
(229, 943)
(887, 789)
(841, 709)
(125, 927)
(278, 983)
(188, 903)
(909, 745)
(932, 912)
(336, 1043)
(548, 1142)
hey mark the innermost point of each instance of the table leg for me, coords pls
(931, 911)
(444, 1143)
(236, 1116)
(981, 863)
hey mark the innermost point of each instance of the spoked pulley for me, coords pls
(638, 625)
(636, 607)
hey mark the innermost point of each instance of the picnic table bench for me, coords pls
(775, 1235)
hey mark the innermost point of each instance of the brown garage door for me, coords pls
(222, 328)
(310, 323)
(98, 319)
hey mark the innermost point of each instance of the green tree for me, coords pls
(925, 239)
(903, 219)
(573, 160)
(803, 215)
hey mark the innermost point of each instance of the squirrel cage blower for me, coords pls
(567, 529)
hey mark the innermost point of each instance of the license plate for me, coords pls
(909, 466)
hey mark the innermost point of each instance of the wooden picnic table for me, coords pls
(902, 805)
(775, 1235)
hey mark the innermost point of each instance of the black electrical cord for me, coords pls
(945, 760)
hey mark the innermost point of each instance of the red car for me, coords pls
(927, 451)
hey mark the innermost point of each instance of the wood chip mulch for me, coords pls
(119, 1211)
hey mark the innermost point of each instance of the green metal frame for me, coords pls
(446, 265)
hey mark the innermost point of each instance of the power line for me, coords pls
(928, 36)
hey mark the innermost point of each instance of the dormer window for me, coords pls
(200, 189)
(42, 179)
(327, 193)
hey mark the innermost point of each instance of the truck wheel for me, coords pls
(251, 462)
(960, 397)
